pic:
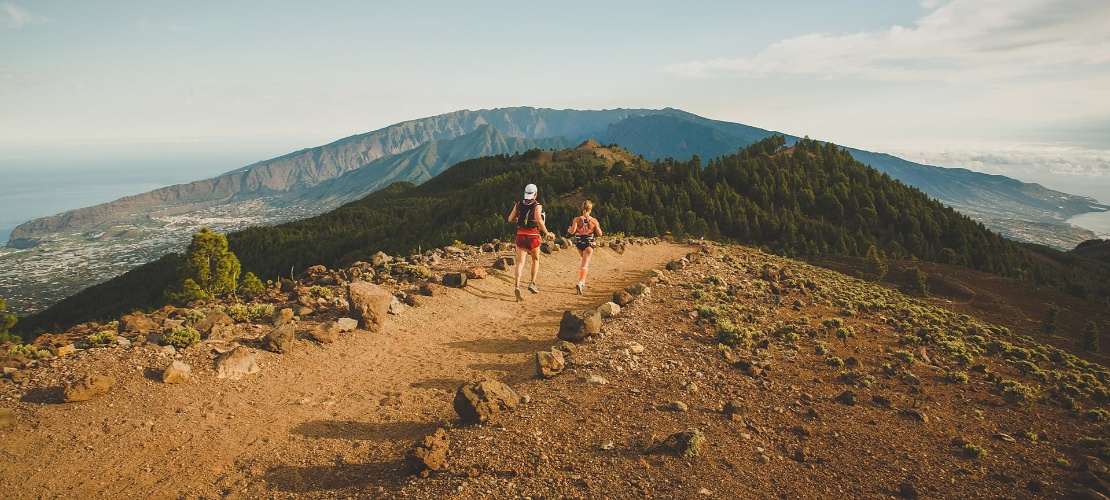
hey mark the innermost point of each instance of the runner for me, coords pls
(529, 216)
(584, 228)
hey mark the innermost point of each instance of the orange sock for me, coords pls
(582, 273)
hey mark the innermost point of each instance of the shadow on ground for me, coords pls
(364, 431)
(291, 479)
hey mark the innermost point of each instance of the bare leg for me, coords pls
(535, 263)
(520, 253)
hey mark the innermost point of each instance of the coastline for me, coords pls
(1097, 222)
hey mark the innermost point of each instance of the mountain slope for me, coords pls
(421, 164)
(810, 199)
(141, 228)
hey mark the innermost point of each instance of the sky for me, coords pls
(1014, 87)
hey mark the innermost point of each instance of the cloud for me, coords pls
(959, 41)
(1067, 167)
(13, 16)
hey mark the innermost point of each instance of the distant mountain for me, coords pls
(811, 199)
(419, 164)
(414, 151)
(70, 249)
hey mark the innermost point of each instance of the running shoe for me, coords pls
(519, 296)
(532, 287)
(579, 287)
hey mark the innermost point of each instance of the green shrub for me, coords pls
(857, 378)
(1098, 415)
(28, 351)
(239, 312)
(1015, 392)
(320, 291)
(181, 337)
(834, 361)
(261, 311)
(715, 280)
(904, 356)
(956, 377)
(251, 284)
(708, 312)
(732, 335)
(194, 315)
(974, 451)
(99, 338)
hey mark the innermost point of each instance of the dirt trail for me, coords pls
(317, 418)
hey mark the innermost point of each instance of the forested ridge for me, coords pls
(807, 200)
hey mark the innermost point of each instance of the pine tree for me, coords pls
(1090, 337)
(6, 322)
(875, 269)
(209, 269)
(1051, 317)
(914, 283)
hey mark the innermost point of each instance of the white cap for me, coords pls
(529, 191)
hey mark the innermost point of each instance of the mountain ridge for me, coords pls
(301, 170)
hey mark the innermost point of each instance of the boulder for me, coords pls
(212, 319)
(280, 339)
(396, 307)
(609, 309)
(346, 324)
(484, 400)
(476, 273)
(137, 323)
(431, 289)
(622, 298)
(686, 444)
(576, 326)
(326, 333)
(379, 259)
(283, 316)
(428, 454)
(503, 263)
(88, 387)
(177, 373)
(550, 363)
(369, 304)
(454, 280)
(236, 363)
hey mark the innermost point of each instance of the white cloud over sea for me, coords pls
(1064, 167)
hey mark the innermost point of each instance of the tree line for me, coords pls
(810, 199)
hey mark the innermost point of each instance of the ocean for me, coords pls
(39, 181)
(1099, 222)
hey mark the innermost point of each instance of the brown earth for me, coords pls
(335, 420)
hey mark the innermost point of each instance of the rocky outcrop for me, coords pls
(484, 400)
(369, 304)
(88, 387)
(236, 363)
(429, 454)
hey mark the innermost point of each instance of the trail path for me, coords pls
(320, 417)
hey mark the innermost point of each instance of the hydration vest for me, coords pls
(585, 229)
(526, 214)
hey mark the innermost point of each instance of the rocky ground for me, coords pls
(728, 373)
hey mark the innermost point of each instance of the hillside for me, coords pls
(112, 238)
(802, 383)
(811, 199)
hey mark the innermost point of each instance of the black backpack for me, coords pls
(526, 214)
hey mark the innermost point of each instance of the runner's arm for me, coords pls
(539, 222)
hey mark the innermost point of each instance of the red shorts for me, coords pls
(528, 242)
